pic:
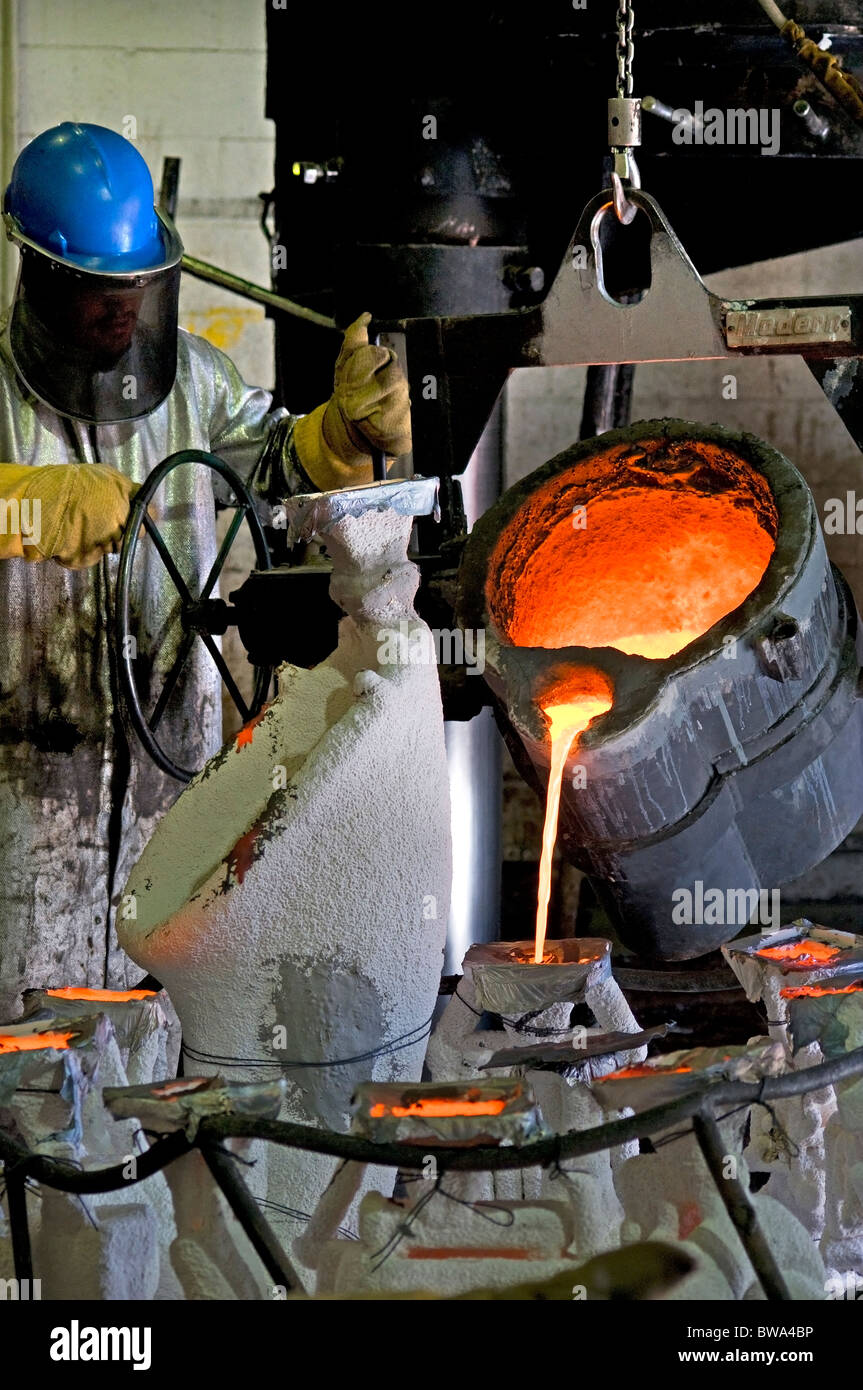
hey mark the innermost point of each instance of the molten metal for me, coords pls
(565, 723)
(433, 1108)
(34, 1042)
(247, 733)
(648, 572)
(801, 955)
(102, 996)
(651, 570)
(626, 1073)
(818, 991)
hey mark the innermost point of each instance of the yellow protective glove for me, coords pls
(73, 513)
(369, 409)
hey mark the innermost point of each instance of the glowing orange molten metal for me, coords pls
(817, 991)
(626, 1072)
(247, 733)
(652, 569)
(566, 722)
(102, 996)
(34, 1042)
(646, 570)
(434, 1109)
(801, 954)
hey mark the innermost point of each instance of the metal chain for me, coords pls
(625, 47)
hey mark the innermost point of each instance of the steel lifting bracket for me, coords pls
(677, 319)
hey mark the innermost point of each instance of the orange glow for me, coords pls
(243, 856)
(247, 733)
(566, 722)
(175, 1090)
(816, 991)
(103, 996)
(34, 1042)
(651, 569)
(434, 1109)
(801, 954)
(627, 1072)
(689, 1218)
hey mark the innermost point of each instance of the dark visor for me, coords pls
(100, 348)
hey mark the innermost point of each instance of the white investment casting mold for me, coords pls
(294, 900)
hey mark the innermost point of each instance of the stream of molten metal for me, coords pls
(566, 722)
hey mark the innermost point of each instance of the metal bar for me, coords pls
(247, 1212)
(167, 558)
(202, 270)
(170, 681)
(170, 185)
(222, 667)
(16, 1198)
(607, 399)
(739, 1207)
(219, 562)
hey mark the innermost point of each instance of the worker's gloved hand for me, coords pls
(369, 409)
(73, 513)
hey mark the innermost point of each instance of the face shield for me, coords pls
(100, 347)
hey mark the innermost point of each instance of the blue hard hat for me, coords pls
(84, 195)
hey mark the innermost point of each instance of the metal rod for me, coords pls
(202, 270)
(248, 1213)
(815, 123)
(658, 108)
(170, 186)
(607, 399)
(16, 1198)
(739, 1207)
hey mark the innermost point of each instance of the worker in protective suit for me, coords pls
(97, 386)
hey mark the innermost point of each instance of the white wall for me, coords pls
(192, 78)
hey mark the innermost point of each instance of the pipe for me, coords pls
(202, 270)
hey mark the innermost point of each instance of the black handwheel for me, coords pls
(202, 617)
